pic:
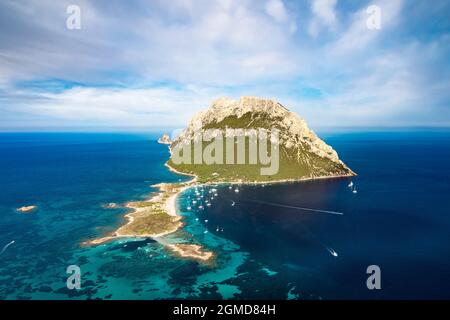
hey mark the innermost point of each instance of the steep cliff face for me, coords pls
(302, 154)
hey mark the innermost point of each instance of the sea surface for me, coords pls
(268, 243)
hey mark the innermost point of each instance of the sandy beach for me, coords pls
(157, 216)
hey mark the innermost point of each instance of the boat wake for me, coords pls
(299, 208)
(6, 247)
(331, 251)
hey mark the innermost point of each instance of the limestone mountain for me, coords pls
(302, 155)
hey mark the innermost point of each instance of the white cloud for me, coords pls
(277, 10)
(324, 10)
(392, 87)
(358, 36)
(160, 107)
(187, 41)
(324, 16)
(183, 55)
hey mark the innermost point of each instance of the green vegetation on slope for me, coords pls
(294, 163)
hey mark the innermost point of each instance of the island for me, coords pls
(110, 205)
(165, 139)
(26, 209)
(301, 155)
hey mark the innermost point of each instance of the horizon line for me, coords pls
(143, 129)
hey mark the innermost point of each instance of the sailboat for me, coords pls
(350, 184)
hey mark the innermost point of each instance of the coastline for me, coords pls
(27, 209)
(163, 204)
(169, 204)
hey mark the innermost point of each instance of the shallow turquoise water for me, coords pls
(399, 220)
(70, 178)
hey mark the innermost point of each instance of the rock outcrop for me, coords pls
(165, 139)
(302, 153)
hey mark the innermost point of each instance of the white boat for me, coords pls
(233, 203)
(354, 191)
(236, 190)
(350, 184)
(332, 252)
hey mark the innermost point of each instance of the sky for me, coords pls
(154, 64)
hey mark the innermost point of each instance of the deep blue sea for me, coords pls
(267, 245)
